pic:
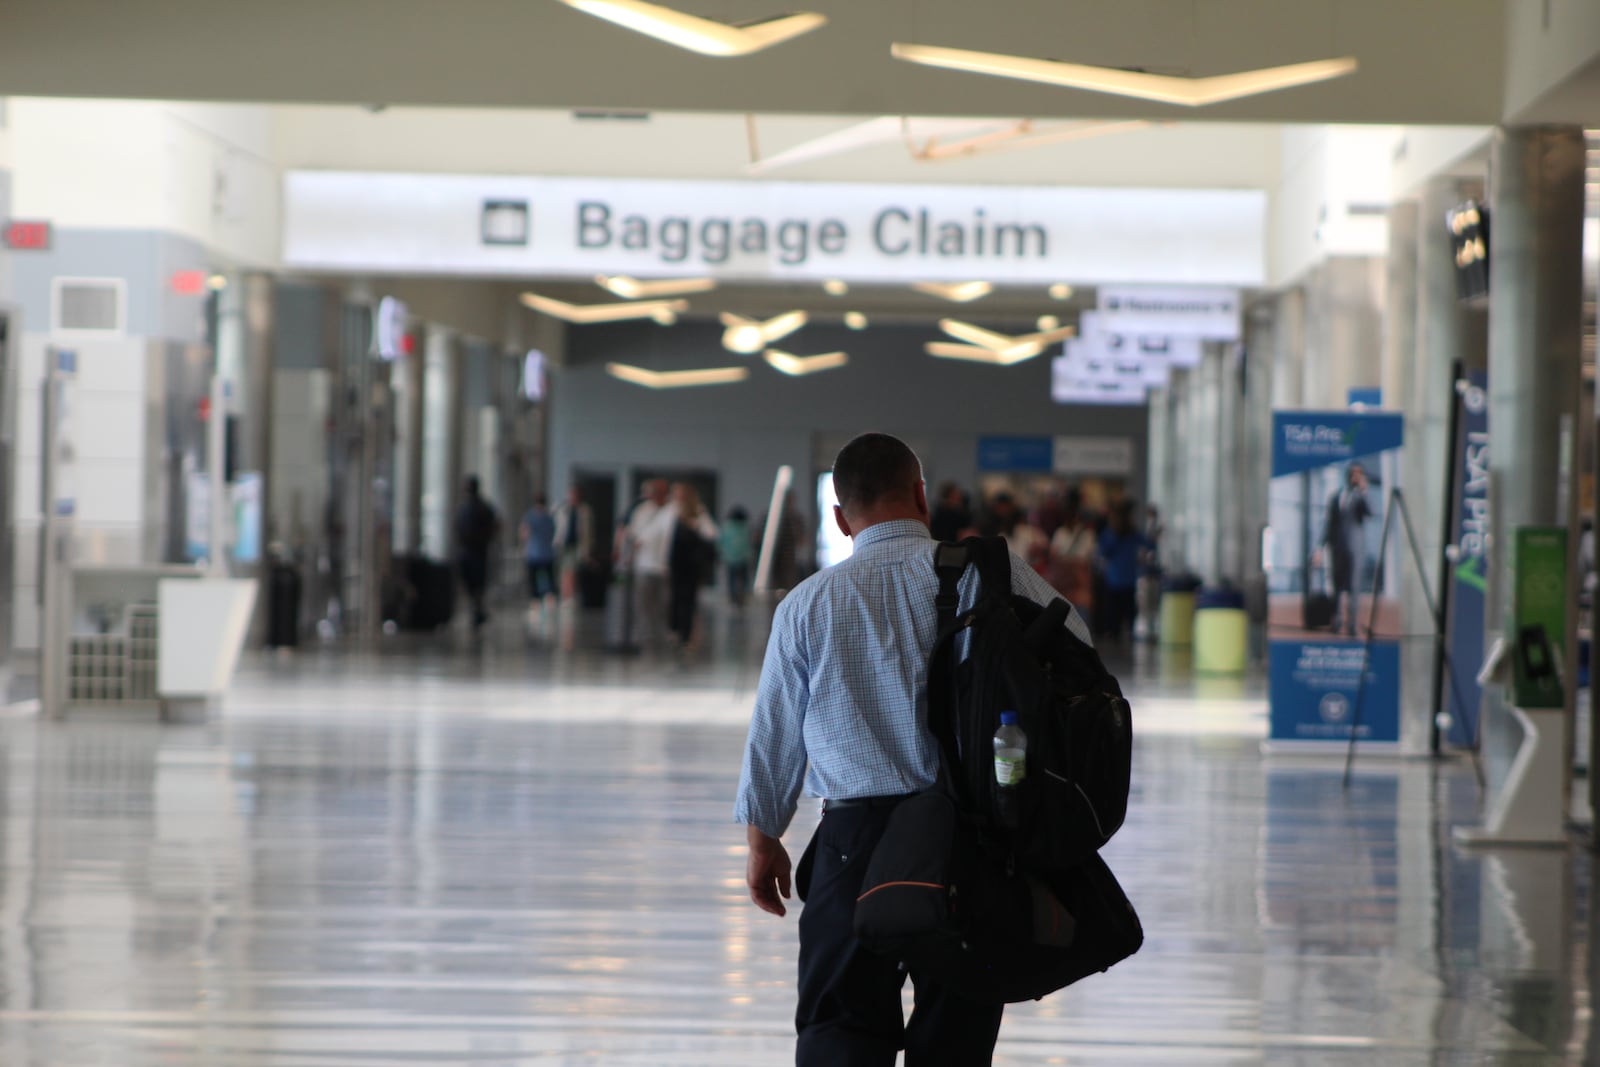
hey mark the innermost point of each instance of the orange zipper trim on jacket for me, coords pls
(891, 885)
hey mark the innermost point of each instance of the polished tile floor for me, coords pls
(499, 854)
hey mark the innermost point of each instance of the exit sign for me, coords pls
(23, 236)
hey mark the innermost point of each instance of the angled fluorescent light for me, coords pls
(633, 289)
(795, 366)
(706, 36)
(676, 379)
(1004, 343)
(749, 336)
(1162, 88)
(663, 311)
(1019, 135)
(955, 292)
(855, 320)
(979, 354)
(886, 129)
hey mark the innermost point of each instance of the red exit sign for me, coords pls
(22, 236)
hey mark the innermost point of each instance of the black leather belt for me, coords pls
(835, 804)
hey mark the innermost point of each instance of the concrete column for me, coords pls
(1229, 507)
(441, 454)
(1288, 349)
(407, 386)
(1535, 337)
(1156, 486)
(1400, 303)
(1343, 330)
(1255, 469)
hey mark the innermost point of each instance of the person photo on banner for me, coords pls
(1344, 545)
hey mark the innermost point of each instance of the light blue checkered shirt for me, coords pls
(845, 682)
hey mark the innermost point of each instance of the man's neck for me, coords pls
(860, 524)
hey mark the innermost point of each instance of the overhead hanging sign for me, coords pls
(1207, 312)
(757, 230)
(1078, 380)
(1098, 332)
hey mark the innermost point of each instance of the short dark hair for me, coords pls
(872, 468)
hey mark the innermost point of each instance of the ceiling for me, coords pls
(1422, 61)
(677, 145)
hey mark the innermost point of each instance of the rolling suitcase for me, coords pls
(1318, 607)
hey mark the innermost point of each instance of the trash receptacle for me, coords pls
(1221, 632)
(283, 605)
(1177, 610)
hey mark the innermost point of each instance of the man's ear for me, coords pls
(920, 498)
(839, 519)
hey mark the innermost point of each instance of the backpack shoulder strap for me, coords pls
(950, 563)
(993, 559)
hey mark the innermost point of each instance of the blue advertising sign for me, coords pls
(1315, 688)
(1471, 528)
(1307, 440)
(1016, 453)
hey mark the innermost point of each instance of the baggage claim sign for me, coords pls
(759, 230)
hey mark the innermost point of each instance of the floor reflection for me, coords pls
(523, 856)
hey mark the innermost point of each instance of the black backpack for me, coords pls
(997, 910)
(1023, 658)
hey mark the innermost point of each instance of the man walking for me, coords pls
(837, 711)
(475, 528)
(649, 535)
(1344, 536)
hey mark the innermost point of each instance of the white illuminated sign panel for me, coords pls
(1076, 378)
(1093, 455)
(758, 230)
(1205, 312)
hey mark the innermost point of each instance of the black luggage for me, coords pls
(1318, 611)
(424, 597)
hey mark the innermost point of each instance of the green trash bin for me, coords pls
(1177, 617)
(1221, 633)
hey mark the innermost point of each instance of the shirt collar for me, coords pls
(894, 529)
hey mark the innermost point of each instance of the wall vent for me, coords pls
(89, 305)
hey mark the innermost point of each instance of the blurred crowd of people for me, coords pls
(1105, 562)
(669, 547)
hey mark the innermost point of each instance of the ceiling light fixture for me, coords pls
(1047, 322)
(855, 320)
(835, 287)
(1061, 291)
(663, 311)
(796, 366)
(677, 379)
(633, 289)
(1002, 346)
(705, 36)
(749, 336)
(1019, 135)
(1023, 346)
(1162, 88)
(976, 353)
(955, 292)
(872, 133)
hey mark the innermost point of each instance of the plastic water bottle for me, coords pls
(1010, 766)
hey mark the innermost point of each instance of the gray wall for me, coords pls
(745, 431)
(144, 259)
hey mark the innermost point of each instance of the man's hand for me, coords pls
(767, 872)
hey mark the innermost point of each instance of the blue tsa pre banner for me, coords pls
(1333, 582)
